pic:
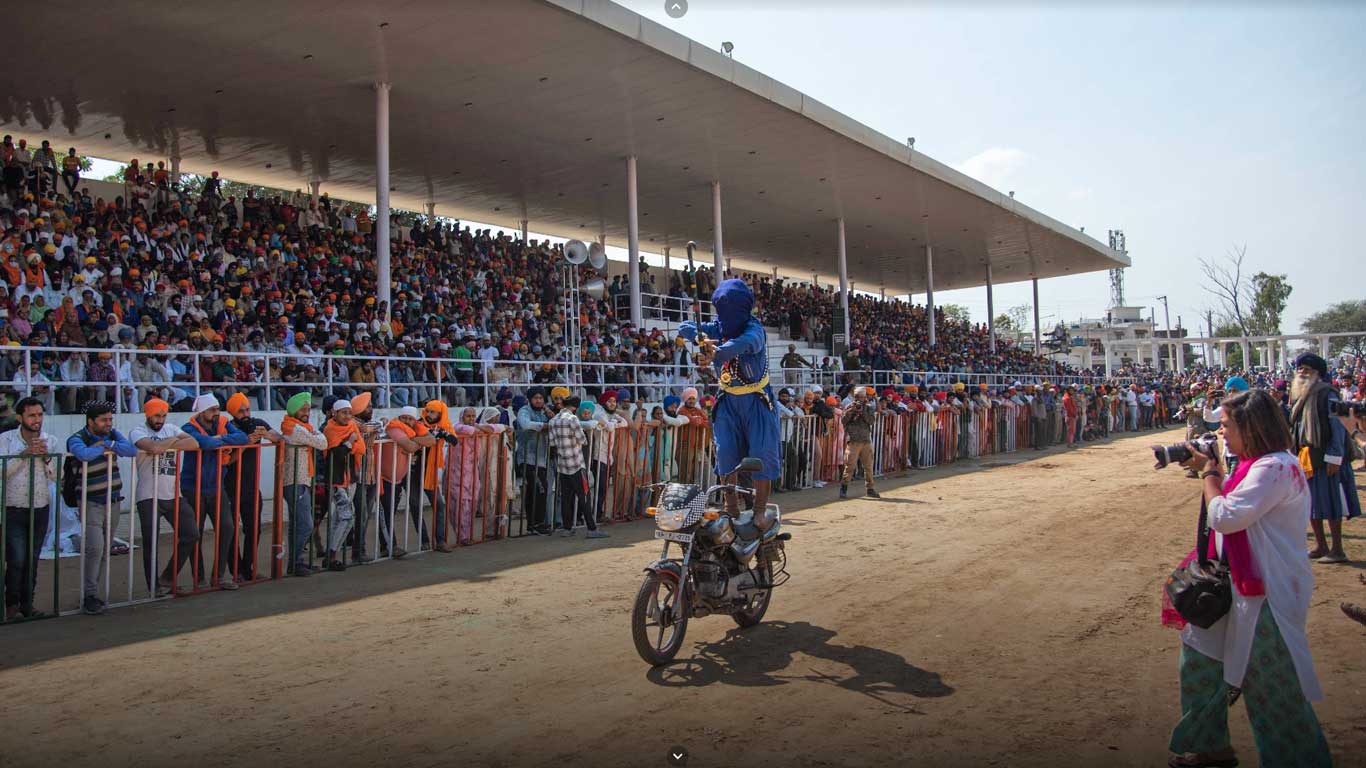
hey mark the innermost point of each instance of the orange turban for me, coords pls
(360, 402)
(154, 407)
(236, 402)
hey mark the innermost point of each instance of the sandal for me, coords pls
(1223, 759)
(118, 549)
(1332, 557)
(1354, 612)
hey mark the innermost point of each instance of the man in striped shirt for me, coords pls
(567, 441)
(98, 446)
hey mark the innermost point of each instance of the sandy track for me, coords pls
(1001, 617)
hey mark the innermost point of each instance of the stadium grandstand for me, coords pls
(288, 220)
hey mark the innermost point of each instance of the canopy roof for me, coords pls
(521, 109)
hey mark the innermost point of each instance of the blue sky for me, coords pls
(1192, 129)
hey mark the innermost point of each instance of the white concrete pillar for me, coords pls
(717, 247)
(314, 189)
(991, 314)
(929, 291)
(382, 194)
(844, 287)
(633, 241)
(524, 232)
(1180, 355)
(431, 212)
(1246, 347)
(1323, 347)
(1108, 366)
(175, 169)
(1038, 348)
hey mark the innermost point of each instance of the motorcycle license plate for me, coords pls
(681, 538)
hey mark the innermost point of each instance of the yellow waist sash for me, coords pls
(747, 389)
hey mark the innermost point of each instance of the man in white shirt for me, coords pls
(1131, 406)
(1146, 403)
(156, 493)
(27, 499)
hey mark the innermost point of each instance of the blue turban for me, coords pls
(671, 401)
(518, 402)
(1236, 384)
(733, 301)
(623, 396)
(504, 394)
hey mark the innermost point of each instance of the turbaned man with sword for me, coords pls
(744, 422)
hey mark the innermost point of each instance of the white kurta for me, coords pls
(1272, 505)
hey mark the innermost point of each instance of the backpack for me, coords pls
(71, 475)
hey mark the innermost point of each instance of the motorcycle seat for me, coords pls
(744, 526)
(746, 530)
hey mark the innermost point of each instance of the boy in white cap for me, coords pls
(201, 483)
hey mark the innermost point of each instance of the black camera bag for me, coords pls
(1201, 590)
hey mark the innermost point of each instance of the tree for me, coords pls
(956, 312)
(1269, 294)
(1224, 279)
(117, 175)
(1343, 317)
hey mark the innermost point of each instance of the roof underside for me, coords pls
(521, 109)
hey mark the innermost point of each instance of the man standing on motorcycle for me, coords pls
(744, 422)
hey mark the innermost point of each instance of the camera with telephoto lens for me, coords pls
(1206, 444)
(1345, 407)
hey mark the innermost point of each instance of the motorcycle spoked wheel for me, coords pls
(758, 602)
(656, 634)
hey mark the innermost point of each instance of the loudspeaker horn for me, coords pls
(575, 252)
(597, 256)
(595, 288)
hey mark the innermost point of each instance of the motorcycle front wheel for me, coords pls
(753, 613)
(656, 633)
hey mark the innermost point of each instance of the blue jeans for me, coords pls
(300, 501)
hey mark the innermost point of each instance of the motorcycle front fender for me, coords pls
(666, 567)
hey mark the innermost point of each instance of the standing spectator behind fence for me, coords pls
(363, 412)
(409, 438)
(345, 449)
(155, 496)
(201, 484)
(533, 456)
(463, 480)
(858, 447)
(566, 437)
(27, 480)
(98, 447)
(436, 417)
(296, 476)
(787, 419)
(243, 480)
(1038, 417)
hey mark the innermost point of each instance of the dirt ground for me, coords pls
(999, 616)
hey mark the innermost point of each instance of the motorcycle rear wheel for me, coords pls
(758, 601)
(656, 634)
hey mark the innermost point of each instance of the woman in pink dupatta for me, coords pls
(464, 460)
(1259, 649)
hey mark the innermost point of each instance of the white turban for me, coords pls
(408, 410)
(204, 402)
(340, 404)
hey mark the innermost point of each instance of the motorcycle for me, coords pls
(727, 565)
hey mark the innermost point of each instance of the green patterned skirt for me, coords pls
(1283, 722)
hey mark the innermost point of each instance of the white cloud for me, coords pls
(995, 166)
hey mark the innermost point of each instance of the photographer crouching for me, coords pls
(1253, 640)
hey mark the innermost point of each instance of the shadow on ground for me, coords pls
(759, 656)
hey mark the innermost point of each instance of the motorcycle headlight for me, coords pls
(671, 519)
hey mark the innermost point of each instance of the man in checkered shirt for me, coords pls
(567, 440)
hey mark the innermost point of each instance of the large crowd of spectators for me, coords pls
(170, 271)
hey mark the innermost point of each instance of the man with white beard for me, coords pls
(1321, 442)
